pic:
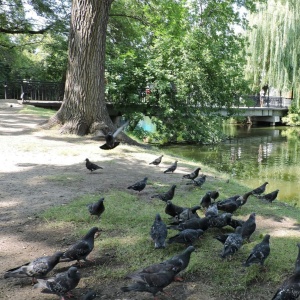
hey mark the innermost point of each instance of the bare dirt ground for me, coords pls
(32, 162)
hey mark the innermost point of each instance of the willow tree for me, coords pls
(274, 47)
(83, 109)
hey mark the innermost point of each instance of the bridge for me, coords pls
(50, 95)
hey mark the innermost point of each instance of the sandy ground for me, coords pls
(32, 162)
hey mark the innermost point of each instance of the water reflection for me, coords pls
(255, 155)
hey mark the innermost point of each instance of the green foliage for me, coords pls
(293, 117)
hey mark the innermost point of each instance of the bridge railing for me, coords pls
(264, 101)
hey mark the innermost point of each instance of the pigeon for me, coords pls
(186, 214)
(229, 205)
(195, 223)
(91, 166)
(297, 263)
(172, 168)
(159, 232)
(198, 181)
(152, 282)
(290, 289)
(259, 253)
(248, 227)
(172, 209)
(234, 223)
(205, 201)
(166, 196)
(212, 211)
(214, 195)
(82, 248)
(220, 221)
(97, 208)
(110, 142)
(233, 243)
(187, 236)
(89, 295)
(244, 198)
(192, 175)
(156, 161)
(139, 186)
(61, 284)
(38, 268)
(269, 197)
(261, 189)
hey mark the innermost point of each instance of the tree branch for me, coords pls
(16, 31)
(131, 17)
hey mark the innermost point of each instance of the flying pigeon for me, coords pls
(91, 166)
(172, 209)
(82, 248)
(38, 268)
(172, 168)
(192, 175)
(156, 161)
(140, 185)
(152, 282)
(233, 243)
(199, 181)
(110, 142)
(97, 208)
(259, 253)
(248, 227)
(89, 295)
(159, 232)
(261, 189)
(61, 284)
(290, 289)
(187, 236)
(167, 195)
(269, 197)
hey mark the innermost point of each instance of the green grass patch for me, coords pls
(42, 112)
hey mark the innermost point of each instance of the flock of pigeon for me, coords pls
(189, 227)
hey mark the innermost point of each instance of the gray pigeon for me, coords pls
(156, 161)
(61, 284)
(89, 295)
(187, 236)
(91, 166)
(259, 253)
(186, 214)
(233, 243)
(96, 208)
(172, 168)
(212, 211)
(167, 195)
(38, 268)
(199, 181)
(139, 186)
(110, 142)
(159, 232)
(290, 289)
(248, 227)
(192, 175)
(82, 248)
(259, 190)
(270, 196)
(220, 221)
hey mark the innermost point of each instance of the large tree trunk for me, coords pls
(84, 110)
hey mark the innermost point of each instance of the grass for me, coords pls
(126, 224)
(42, 112)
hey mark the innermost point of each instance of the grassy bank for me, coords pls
(128, 217)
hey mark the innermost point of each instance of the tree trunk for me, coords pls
(83, 109)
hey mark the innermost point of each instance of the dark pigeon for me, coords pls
(220, 221)
(172, 168)
(110, 142)
(229, 205)
(214, 195)
(61, 284)
(152, 282)
(38, 268)
(244, 198)
(222, 237)
(232, 244)
(91, 166)
(195, 223)
(82, 248)
(248, 227)
(186, 214)
(192, 175)
(156, 161)
(139, 186)
(172, 209)
(259, 253)
(166, 196)
(205, 201)
(261, 189)
(198, 181)
(269, 197)
(96, 208)
(234, 223)
(290, 289)
(159, 232)
(187, 236)
(89, 296)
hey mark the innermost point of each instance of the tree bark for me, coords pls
(83, 109)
